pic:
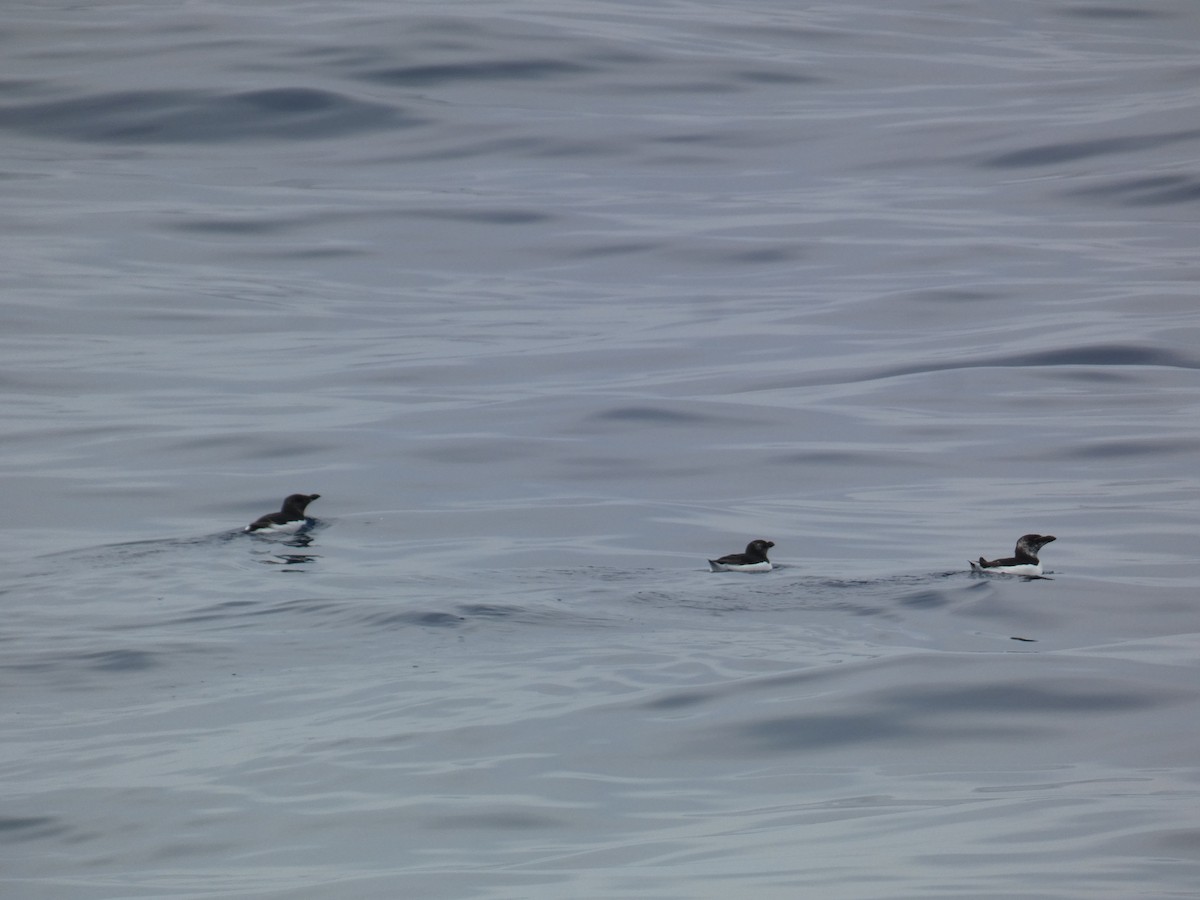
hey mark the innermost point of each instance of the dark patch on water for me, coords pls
(924, 600)
(1123, 449)
(552, 614)
(1076, 697)
(764, 255)
(491, 611)
(656, 414)
(680, 700)
(219, 611)
(934, 713)
(1159, 190)
(826, 730)
(485, 216)
(1071, 151)
(29, 828)
(949, 295)
(775, 76)
(289, 559)
(423, 619)
(713, 138)
(197, 117)
(121, 661)
(306, 606)
(494, 70)
(1098, 355)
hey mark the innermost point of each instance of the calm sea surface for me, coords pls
(551, 301)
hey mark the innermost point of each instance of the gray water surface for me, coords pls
(551, 302)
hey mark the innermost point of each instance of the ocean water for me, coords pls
(551, 302)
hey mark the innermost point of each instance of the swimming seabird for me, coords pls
(753, 560)
(290, 517)
(1024, 561)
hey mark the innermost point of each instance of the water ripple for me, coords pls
(199, 117)
(1071, 151)
(513, 69)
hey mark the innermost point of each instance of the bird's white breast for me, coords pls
(752, 567)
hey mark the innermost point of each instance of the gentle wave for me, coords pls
(201, 117)
(551, 302)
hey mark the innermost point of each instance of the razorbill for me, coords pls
(1023, 562)
(753, 560)
(289, 519)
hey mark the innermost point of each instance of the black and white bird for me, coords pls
(1024, 560)
(753, 560)
(289, 519)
